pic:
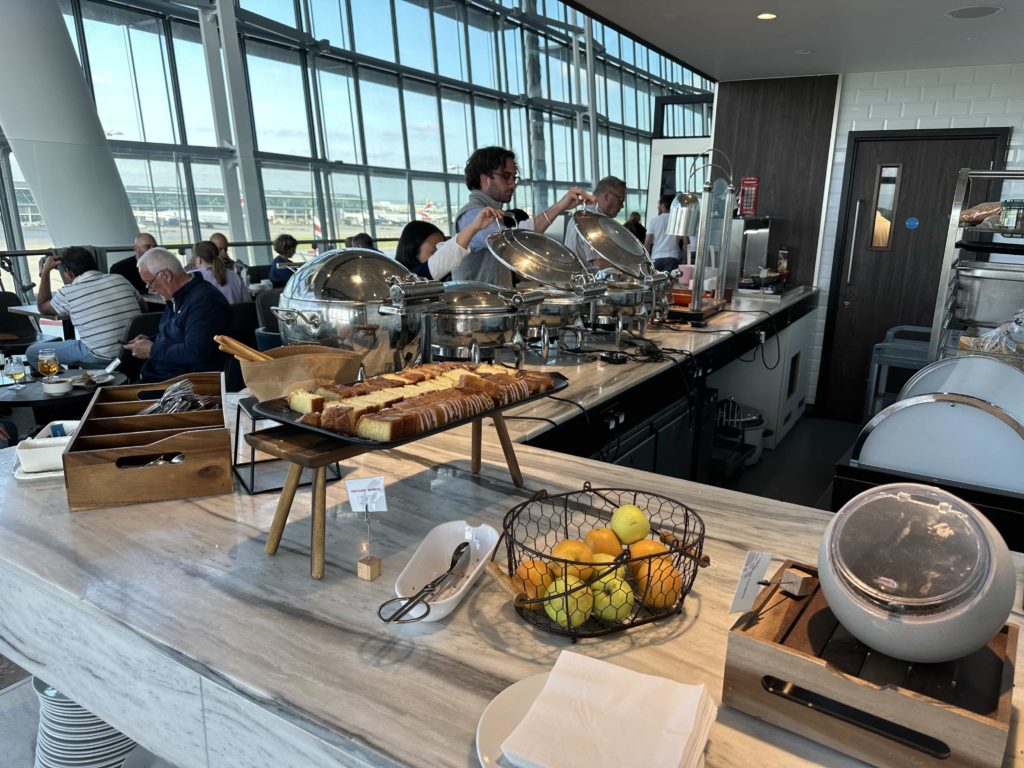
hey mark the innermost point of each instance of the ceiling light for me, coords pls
(766, 16)
(974, 12)
(803, 51)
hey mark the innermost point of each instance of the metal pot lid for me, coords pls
(613, 242)
(535, 256)
(910, 548)
(468, 297)
(351, 274)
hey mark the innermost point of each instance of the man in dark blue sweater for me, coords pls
(195, 312)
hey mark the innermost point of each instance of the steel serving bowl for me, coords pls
(335, 300)
(475, 315)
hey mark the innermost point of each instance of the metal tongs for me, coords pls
(459, 564)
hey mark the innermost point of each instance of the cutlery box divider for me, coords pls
(790, 663)
(105, 463)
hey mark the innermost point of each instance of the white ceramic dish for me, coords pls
(434, 555)
(41, 453)
(96, 378)
(58, 387)
(502, 715)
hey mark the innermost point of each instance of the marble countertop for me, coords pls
(184, 586)
(591, 384)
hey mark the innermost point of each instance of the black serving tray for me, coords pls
(278, 410)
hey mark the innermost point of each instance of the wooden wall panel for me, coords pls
(780, 131)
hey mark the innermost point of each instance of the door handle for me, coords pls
(853, 243)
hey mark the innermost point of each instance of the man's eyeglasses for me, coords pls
(507, 176)
(617, 196)
(149, 283)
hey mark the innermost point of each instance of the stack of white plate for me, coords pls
(72, 737)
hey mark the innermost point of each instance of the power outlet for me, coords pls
(761, 336)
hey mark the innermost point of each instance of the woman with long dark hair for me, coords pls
(208, 262)
(423, 250)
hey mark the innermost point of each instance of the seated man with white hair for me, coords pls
(195, 312)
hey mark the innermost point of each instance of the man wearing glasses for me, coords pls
(610, 194)
(195, 312)
(491, 176)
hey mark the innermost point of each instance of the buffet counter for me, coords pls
(727, 335)
(169, 621)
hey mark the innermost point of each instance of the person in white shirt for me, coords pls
(424, 251)
(100, 306)
(610, 194)
(665, 249)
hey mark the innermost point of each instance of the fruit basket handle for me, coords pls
(703, 561)
(519, 599)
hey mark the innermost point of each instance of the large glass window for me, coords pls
(290, 201)
(159, 198)
(339, 110)
(483, 51)
(414, 44)
(458, 128)
(390, 210)
(488, 122)
(129, 68)
(348, 204)
(421, 126)
(278, 99)
(371, 25)
(329, 21)
(211, 202)
(382, 119)
(450, 31)
(193, 85)
(278, 10)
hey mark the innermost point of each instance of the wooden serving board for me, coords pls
(789, 662)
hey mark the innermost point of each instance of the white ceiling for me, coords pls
(724, 39)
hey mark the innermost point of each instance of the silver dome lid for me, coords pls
(351, 274)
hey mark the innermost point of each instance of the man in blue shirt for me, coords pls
(195, 312)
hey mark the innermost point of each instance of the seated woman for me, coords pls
(423, 250)
(284, 248)
(209, 264)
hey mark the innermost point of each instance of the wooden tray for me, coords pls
(278, 410)
(105, 464)
(791, 663)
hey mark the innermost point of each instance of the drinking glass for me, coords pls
(16, 371)
(48, 364)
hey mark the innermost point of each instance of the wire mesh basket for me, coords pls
(604, 586)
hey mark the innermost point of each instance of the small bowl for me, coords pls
(57, 387)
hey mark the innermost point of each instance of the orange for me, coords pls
(532, 578)
(576, 550)
(661, 585)
(604, 540)
(643, 548)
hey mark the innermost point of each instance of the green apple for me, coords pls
(614, 603)
(617, 574)
(630, 523)
(572, 609)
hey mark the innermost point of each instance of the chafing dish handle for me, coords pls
(289, 316)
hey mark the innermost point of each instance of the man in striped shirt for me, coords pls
(100, 306)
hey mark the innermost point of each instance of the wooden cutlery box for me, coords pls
(117, 456)
(789, 662)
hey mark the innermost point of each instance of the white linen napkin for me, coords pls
(592, 714)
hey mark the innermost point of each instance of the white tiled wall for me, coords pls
(956, 97)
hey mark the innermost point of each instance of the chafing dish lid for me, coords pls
(468, 297)
(352, 274)
(536, 257)
(613, 242)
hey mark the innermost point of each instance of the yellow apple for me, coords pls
(571, 609)
(532, 578)
(660, 584)
(615, 602)
(616, 574)
(630, 523)
(603, 540)
(575, 550)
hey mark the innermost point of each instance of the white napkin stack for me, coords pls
(592, 714)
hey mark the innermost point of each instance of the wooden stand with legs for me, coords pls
(305, 449)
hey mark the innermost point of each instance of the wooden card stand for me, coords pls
(118, 456)
(789, 662)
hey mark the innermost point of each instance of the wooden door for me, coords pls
(897, 197)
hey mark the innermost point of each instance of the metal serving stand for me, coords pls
(974, 292)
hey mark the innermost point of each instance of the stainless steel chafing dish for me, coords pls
(335, 299)
(476, 316)
(559, 274)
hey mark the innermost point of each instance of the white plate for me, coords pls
(143, 758)
(434, 556)
(501, 717)
(20, 474)
(98, 378)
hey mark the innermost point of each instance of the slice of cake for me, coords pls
(304, 401)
